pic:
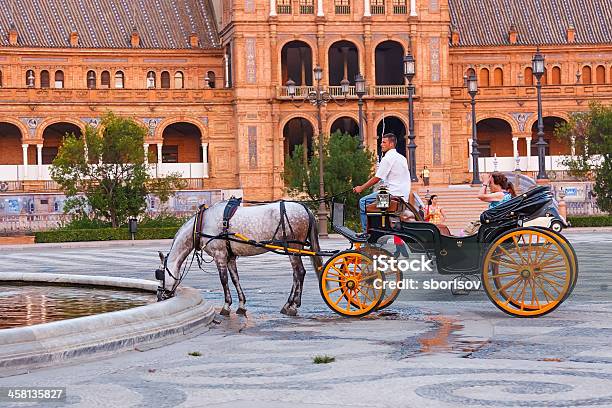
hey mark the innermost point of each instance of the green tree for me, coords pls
(105, 172)
(591, 134)
(345, 166)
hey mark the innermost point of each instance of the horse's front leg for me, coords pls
(222, 267)
(233, 270)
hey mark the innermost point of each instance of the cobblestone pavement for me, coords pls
(429, 350)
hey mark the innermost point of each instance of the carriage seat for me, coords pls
(522, 205)
(406, 211)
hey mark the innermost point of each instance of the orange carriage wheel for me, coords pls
(349, 284)
(527, 272)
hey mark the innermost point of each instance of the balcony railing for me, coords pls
(377, 8)
(574, 91)
(380, 91)
(283, 8)
(16, 174)
(400, 9)
(342, 9)
(306, 9)
(390, 90)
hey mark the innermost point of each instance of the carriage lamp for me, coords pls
(383, 199)
(291, 87)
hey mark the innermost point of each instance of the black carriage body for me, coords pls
(460, 255)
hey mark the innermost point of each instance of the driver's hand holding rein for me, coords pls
(393, 169)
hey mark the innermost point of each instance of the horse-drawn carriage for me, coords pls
(525, 271)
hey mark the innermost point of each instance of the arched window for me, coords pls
(151, 80)
(179, 80)
(91, 80)
(45, 82)
(544, 79)
(556, 76)
(600, 74)
(528, 76)
(498, 77)
(484, 77)
(59, 79)
(165, 80)
(0, 79)
(586, 74)
(105, 79)
(119, 79)
(210, 78)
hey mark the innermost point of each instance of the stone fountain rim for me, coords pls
(140, 327)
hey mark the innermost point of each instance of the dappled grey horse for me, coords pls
(259, 223)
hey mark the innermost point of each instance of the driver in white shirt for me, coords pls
(393, 170)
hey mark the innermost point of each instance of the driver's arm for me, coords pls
(366, 185)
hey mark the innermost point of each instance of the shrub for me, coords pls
(102, 234)
(323, 359)
(591, 221)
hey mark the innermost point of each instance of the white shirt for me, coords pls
(393, 170)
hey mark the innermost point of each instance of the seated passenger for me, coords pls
(433, 212)
(393, 169)
(501, 190)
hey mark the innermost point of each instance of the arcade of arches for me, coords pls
(495, 138)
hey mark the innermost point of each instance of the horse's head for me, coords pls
(168, 283)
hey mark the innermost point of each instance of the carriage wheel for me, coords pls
(569, 251)
(527, 272)
(347, 284)
(397, 276)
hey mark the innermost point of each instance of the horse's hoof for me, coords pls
(289, 310)
(241, 311)
(224, 312)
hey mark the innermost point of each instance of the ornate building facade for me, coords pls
(208, 79)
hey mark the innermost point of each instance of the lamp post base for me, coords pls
(322, 217)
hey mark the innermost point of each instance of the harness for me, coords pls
(228, 212)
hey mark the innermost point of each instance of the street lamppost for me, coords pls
(409, 72)
(319, 98)
(472, 84)
(538, 70)
(360, 90)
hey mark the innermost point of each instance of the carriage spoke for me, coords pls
(522, 295)
(518, 249)
(498, 275)
(546, 294)
(507, 265)
(551, 283)
(533, 293)
(509, 256)
(333, 290)
(509, 284)
(341, 296)
(512, 295)
(364, 294)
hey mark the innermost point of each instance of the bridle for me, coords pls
(160, 274)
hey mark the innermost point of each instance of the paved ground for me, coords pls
(445, 352)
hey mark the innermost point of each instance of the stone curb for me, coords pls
(105, 334)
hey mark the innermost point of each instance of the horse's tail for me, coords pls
(317, 261)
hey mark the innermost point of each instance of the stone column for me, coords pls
(320, 12)
(515, 146)
(39, 148)
(272, 8)
(528, 141)
(413, 11)
(159, 152)
(366, 8)
(205, 158)
(25, 160)
(146, 153)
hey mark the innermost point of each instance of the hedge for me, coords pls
(103, 234)
(591, 221)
